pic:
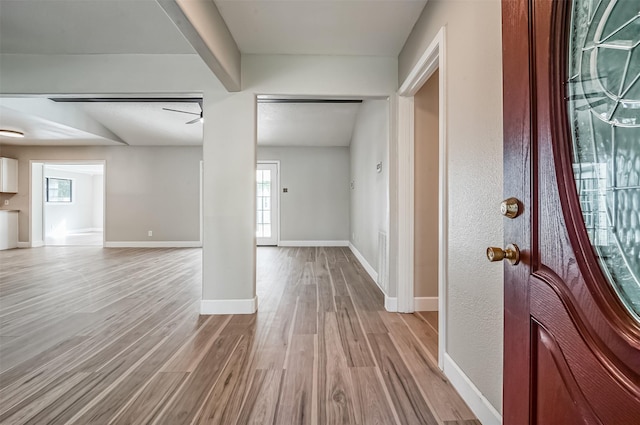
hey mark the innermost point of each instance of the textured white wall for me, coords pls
(474, 129)
(316, 206)
(369, 196)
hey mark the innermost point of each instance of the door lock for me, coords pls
(510, 208)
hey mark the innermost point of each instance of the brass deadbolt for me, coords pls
(510, 208)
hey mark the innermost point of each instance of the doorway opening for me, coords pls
(330, 156)
(426, 208)
(68, 203)
(431, 63)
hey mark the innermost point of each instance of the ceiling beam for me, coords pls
(202, 25)
(74, 99)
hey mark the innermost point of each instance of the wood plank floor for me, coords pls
(113, 336)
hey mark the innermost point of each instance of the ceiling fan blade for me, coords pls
(194, 121)
(183, 112)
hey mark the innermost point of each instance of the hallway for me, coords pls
(92, 335)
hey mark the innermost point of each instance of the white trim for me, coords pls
(201, 194)
(478, 403)
(390, 304)
(24, 245)
(365, 264)
(433, 58)
(242, 306)
(428, 63)
(37, 244)
(425, 303)
(405, 203)
(278, 192)
(313, 243)
(153, 244)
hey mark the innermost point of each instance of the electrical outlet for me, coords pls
(150, 233)
(6, 202)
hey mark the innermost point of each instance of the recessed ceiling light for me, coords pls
(11, 133)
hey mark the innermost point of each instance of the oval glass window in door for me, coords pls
(604, 113)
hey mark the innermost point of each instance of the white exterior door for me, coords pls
(267, 203)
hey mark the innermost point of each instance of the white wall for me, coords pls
(76, 215)
(98, 201)
(109, 73)
(147, 188)
(316, 206)
(37, 196)
(369, 196)
(474, 143)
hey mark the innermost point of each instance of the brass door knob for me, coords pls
(511, 253)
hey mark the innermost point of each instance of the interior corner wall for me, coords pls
(229, 152)
(147, 188)
(316, 205)
(473, 97)
(369, 195)
(426, 189)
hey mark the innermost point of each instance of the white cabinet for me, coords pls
(8, 229)
(8, 175)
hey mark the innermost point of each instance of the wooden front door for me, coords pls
(572, 159)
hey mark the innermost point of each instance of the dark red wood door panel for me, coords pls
(572, 349)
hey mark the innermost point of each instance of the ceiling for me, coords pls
(321, 27)
(306, 124)
(88, 27)
(311, 27)
(147, 123)
(131, 123)
(42, 131)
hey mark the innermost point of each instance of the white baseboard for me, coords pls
(370, 270)
(153, 244)
(390, 304)
(24, 244)
(477, 402)
(86, 230)
(312, 243)
(425, 304)
(243, 306)
(37, 244)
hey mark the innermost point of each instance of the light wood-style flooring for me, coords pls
(113, 336)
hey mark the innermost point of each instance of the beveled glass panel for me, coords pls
(604, 114)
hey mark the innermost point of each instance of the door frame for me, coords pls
(433, 58)
(277, 163)
(44, 162)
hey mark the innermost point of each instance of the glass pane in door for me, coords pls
(263, 202)
(604, 115)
